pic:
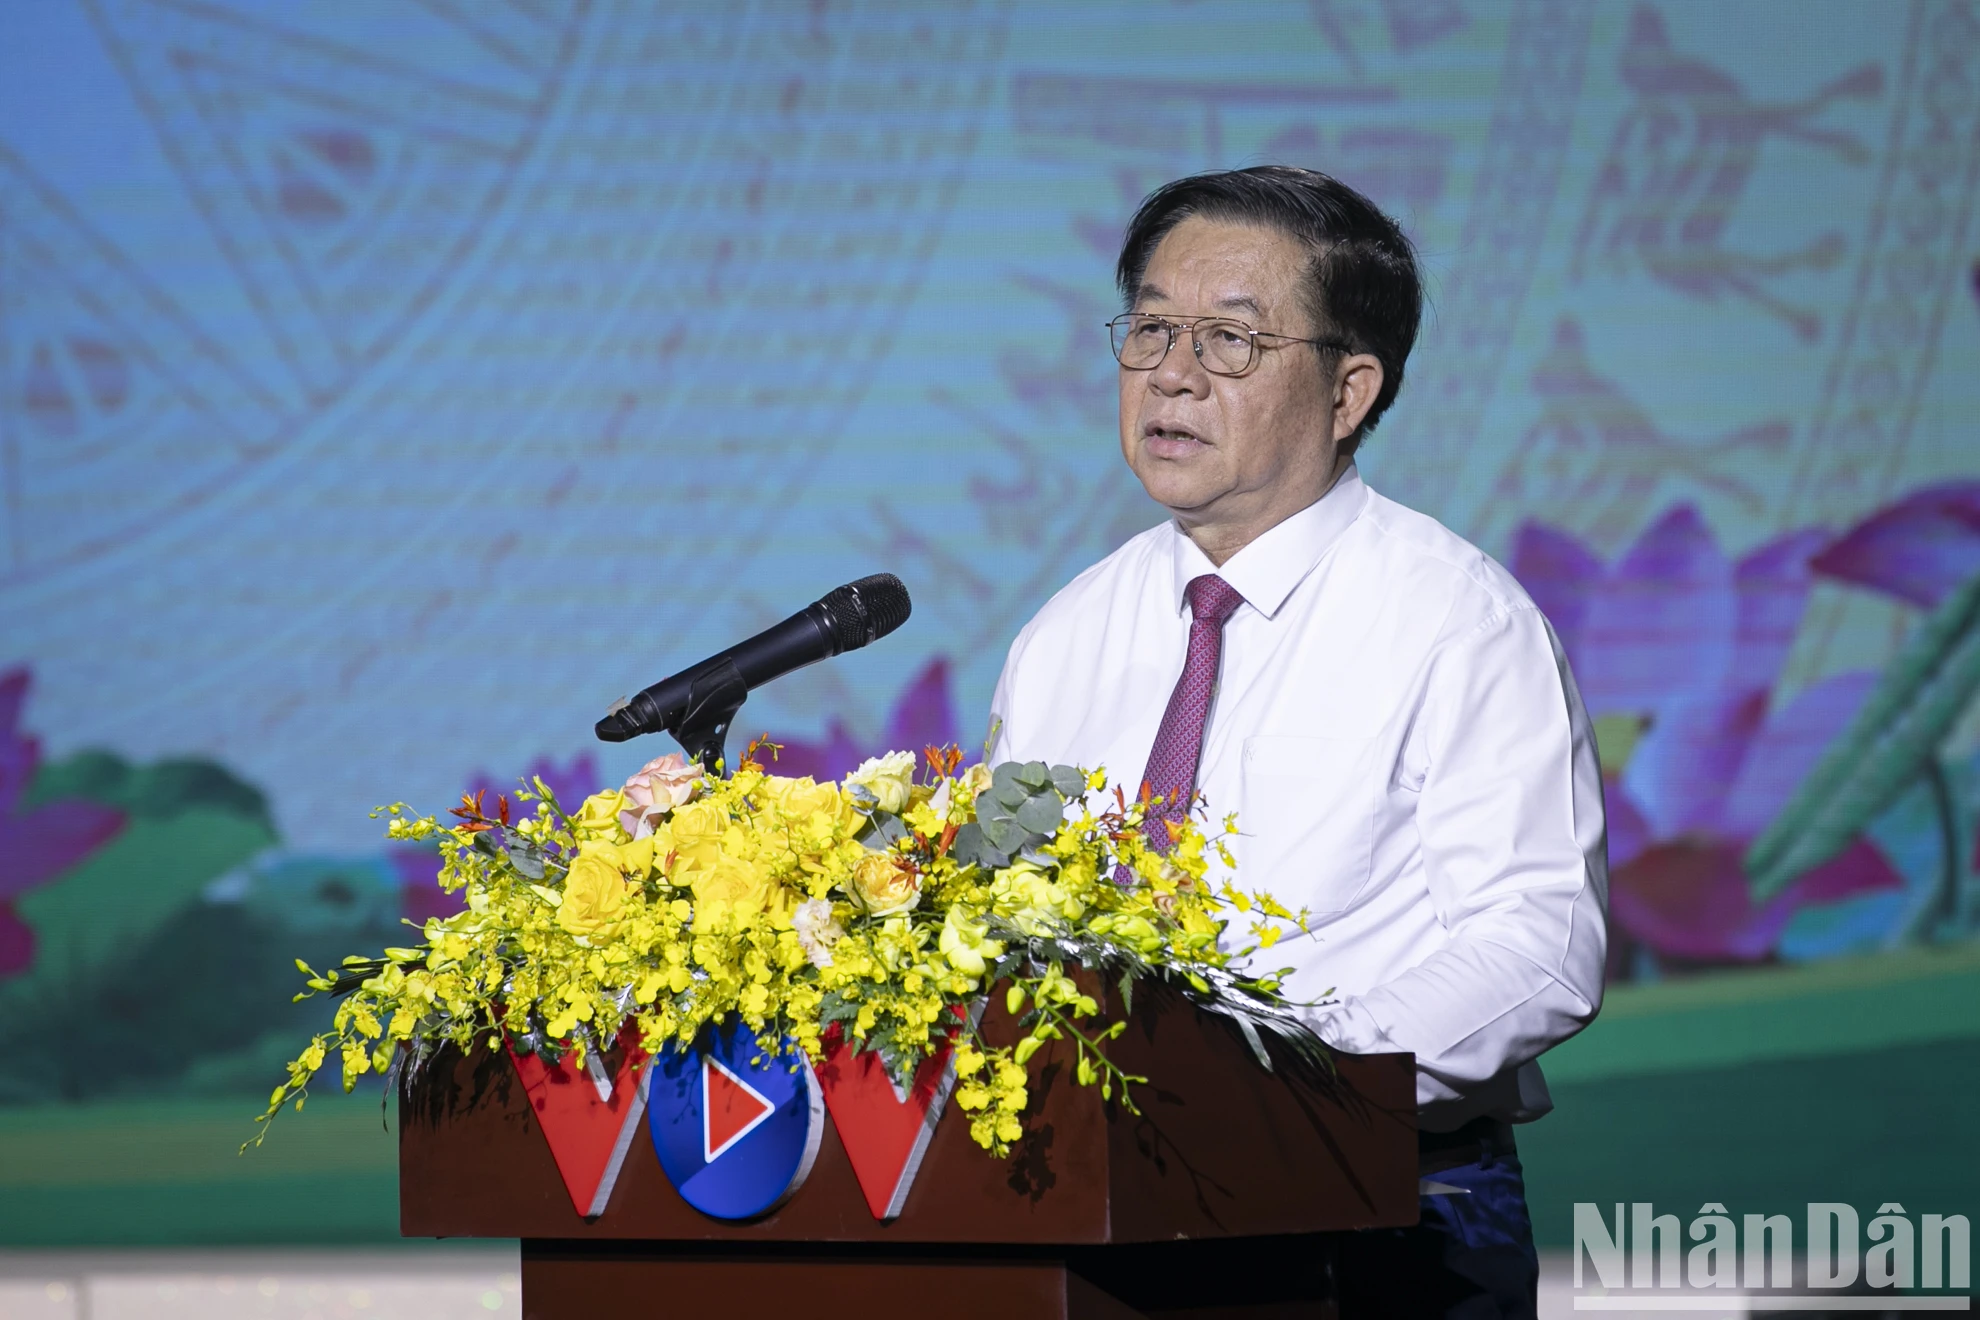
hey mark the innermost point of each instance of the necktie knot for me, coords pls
(1211, 599)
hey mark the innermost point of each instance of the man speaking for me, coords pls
(1382, 705)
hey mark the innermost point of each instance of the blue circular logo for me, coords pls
(736, 1123)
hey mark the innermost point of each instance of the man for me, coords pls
(1382, 705)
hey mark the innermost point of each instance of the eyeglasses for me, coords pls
(1225, 347)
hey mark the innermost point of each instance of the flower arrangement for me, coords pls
(876, 910)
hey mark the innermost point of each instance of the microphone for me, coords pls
(696, 704)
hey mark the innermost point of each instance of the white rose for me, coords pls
(885, 779)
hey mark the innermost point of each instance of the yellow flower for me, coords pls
(882, 885)
(729, 891)
(594, 895)
(1033, 898)
(695, 832)
(927, 818)
(634, 859)
(971, 783)
(822, 806)
(887, 779)
(598, 818)
(962, 943)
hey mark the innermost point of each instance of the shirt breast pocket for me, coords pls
(1307, 820)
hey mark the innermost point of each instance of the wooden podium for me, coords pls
(1218, 1200)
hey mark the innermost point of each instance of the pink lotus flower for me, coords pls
(1918, 549)
(1690, 644)
(37, 844)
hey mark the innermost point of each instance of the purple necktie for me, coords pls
(1172, 762)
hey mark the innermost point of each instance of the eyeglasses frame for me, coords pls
(1196, 345)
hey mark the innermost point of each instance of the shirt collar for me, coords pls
(1266, 571)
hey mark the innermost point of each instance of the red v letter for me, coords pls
(588, 1119)
(884, 1132)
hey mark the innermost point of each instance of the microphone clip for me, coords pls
(715, 695)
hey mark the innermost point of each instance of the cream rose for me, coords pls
(887, 779)
(883, 885)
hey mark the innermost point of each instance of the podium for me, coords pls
(1222, 1198)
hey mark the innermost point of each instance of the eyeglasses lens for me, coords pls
(1141, 342)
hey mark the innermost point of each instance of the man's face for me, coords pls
(1236, 453)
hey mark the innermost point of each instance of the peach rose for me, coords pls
(662, 784)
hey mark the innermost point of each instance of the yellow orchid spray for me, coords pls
(880, 908)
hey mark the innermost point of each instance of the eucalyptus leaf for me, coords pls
(966, 844)
(527, 858)
(1069, 781)
(972, 848)
(1011, 797)
(1007, 836)
(1042, 814)
(886, 832)
(1035, 775)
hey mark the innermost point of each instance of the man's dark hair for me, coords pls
(1362, 285)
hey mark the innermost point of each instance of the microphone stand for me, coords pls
(714, 697)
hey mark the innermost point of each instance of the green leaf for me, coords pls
(527, 858)
(972, 848)
(1042, 814)
(886, 832)
(1007, 836)
(1035, 775)
(1919, 697)
(1069, 781)
(1004, 779)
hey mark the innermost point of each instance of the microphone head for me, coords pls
(616, 727)
(866, 610)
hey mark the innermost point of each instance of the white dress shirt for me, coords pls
(1397, 729)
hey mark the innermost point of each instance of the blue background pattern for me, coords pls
(386, 387)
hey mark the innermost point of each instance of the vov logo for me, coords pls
(1903, 1262)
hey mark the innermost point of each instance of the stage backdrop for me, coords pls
(387, 386)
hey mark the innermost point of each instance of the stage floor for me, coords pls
(409, 1283)
(402, 1283)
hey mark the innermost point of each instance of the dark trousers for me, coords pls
(1470, 1258)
